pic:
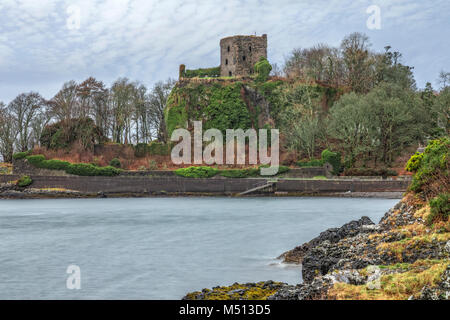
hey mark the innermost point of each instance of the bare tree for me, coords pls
(93, 100)
(8, 133)
(24, 107)
(38, 124)
(140, 107)
(121, 98)
(444, 79)
(358, 61)
(64, 104)
(158, 100)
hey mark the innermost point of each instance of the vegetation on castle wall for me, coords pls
(262, 69)
(202, 73)
(218, 106)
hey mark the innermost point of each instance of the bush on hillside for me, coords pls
(196, 172)
(440, 208)
(140, 150)
(262, 69)
(24, 181)
(431, 169)
(80, 169)
(414, 163)
(21, 155)
(240, 173)
(310, 163)
(115, 163)
(281, 169)
(158, 149)
(333, 158)
(63, 134)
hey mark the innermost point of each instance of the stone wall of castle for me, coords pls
(239, 54)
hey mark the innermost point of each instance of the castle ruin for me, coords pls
(238, 54)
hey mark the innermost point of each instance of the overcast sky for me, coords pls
(44, 43)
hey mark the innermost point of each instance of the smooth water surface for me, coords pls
(159, 248)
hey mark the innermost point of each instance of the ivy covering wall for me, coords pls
(235, 104)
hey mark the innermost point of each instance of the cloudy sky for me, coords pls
(47, 42)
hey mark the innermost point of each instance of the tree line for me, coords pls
(377, 113)
(127, 112)
(380, 113)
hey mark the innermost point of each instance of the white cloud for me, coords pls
(147, 40)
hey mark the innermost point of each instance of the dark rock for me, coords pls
(332, 235)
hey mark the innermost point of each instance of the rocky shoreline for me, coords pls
(398, 258)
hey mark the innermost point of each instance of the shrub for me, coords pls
(85, 169)
(262, 69)
(414, 163)
(82, 169)
(64, 133)
(197, 172)
(79, 169)
(153, 165)
(281, 169)
(115, 163)
(440, 208)
(21, 155)
(36, 160)
(310, 163)
(431, 168)
(24, 181)
(333, 158)
(240, 173)
(54, 164)
(107, 171)
(141, 150)
(158, 149)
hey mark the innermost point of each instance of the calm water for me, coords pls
(159, 248)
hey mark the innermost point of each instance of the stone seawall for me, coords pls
(150, 185)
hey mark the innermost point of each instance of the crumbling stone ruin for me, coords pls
(238, 54)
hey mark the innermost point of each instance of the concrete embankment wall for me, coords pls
(217, 186)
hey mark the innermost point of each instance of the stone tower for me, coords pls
(239, 54)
